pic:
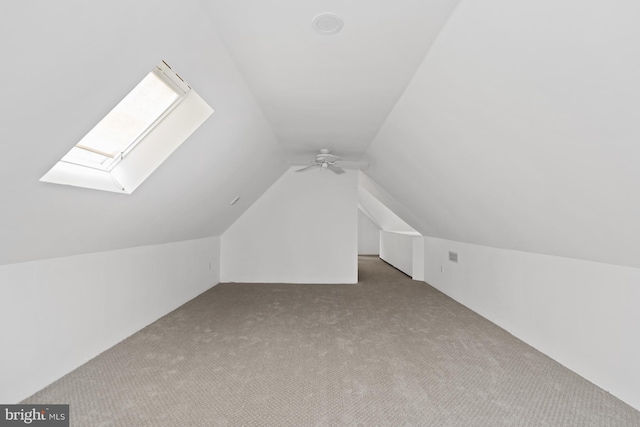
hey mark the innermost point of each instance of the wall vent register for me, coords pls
(134, 138)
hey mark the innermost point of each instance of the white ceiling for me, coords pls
(328, 91)
(502, 123)
(520, 130)
(68, 63)
(380, 214)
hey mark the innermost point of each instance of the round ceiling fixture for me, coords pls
(327, 23)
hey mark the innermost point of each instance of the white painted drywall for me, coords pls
(304, 229)
(520, 131)
(322, 91)
(398, 250)
(384, 217)
(58, 313)
(582, 314)
(417, 263)
(106, 50)
(368, 236)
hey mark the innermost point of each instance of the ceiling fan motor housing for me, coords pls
(326, 160)
(326, 156)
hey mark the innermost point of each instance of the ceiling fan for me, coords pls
(326, 160)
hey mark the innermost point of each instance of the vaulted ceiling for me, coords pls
(330, 91)
(520, 130)
(508, 124)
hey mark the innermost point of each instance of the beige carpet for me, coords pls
(388, 351)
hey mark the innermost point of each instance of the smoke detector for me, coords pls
(327, 23)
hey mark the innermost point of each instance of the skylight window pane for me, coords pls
(85, 157)
(129, 119)
(121, 151)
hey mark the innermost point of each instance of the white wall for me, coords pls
(404, 251)
(304, 229)
(582, 314)
(417, 272)
(368, 236)
(56, 314)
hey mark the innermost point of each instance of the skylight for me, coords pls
(130, 142)
(110, 138)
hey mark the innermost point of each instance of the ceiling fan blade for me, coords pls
(307, 168)
(352, 165)
(335, 169)
(327, 157)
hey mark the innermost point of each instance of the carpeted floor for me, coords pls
(387, 351)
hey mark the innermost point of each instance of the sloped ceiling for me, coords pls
(277, 87)
(65, 65)
(322, 91)
(520, 130)
(383, 217)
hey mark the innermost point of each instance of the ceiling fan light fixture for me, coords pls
(327, 23)
(325, 160)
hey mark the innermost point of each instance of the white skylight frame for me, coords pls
(126, 146)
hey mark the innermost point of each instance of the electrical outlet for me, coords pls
(453, 257)
(442, 269)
